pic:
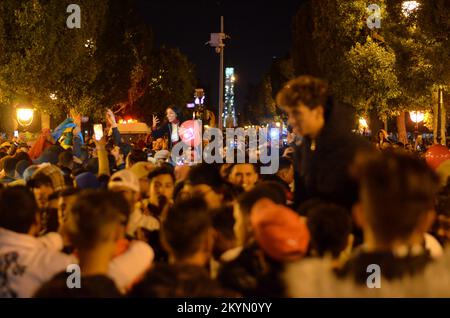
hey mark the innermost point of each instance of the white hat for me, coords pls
(162, 154)
(124, 179)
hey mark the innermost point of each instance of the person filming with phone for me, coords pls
(169, 129)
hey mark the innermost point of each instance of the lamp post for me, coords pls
(408, 7)
(24, 116)
(217, 42)
(416, 117)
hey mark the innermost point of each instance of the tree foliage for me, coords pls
(164, 78)
(109, 61)
(388, 70)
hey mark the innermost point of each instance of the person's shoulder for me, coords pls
(63, 285)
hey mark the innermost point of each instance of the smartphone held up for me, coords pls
(98, 131)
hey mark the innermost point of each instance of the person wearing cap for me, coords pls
(279, 236)
(126, 183)
(46, 180)
(162, 156)
(87, 180)
(141, 170)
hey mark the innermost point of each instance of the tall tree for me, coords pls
(386, 71)
(55, 68)
(165, 77)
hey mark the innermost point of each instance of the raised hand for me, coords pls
(110, 118)
(100, 144)
(155, 121)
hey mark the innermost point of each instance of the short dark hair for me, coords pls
(254, 165)
(208, 174)
(92, 210)
(308, 90)
(268, 189)
(329, 226)
(223, 221)
(185, 226)
(18, 209)
(40, 179)
(284, 163)
(161, 171)
(69, 191)
(22, 156)
(10, 166)
(443, 200)
(65, 158)
(21, 166)
(178, 281)
(136, 155)
(398, 188)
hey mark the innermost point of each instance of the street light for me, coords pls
(416, 116)
(24, 116)
(408, 7)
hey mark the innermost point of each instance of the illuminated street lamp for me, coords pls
(24, 116)
(363, 126)
(408, 7)
(416, 118)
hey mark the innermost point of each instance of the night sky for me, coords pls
(259, 29)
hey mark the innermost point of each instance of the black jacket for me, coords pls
(323, 173)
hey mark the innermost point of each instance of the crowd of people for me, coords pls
(139, 225)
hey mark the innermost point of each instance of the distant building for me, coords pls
(229, 115)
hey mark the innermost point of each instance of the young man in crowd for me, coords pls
(45, 181)
(205, 179)
(284, 176)
(26, 261)
(162, 183)
(330, 227)
(278, 235)
(95, 223)
(141, 170)
(9, 170)
(188, 237)
(328, 149)
(126, 183)
(95, 226)
(396, 209)
(243, 175)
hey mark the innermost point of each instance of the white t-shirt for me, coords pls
(27, 262)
